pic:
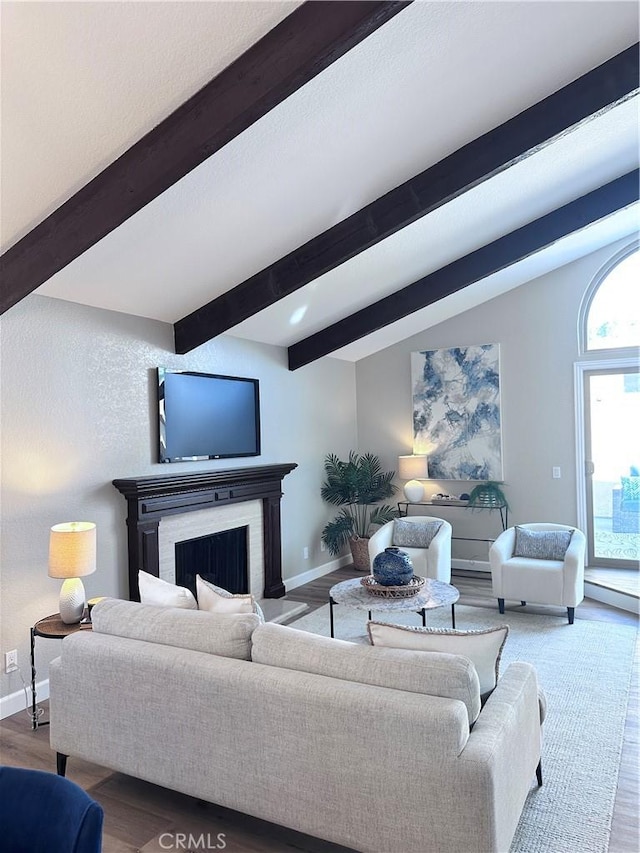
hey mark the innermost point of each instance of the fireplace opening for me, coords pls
(220, 558)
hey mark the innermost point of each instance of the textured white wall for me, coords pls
(536, 326)
(78, 411)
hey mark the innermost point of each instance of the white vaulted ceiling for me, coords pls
(82, 81)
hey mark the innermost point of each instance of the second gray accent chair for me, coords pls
(535, 580)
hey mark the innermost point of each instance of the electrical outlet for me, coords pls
(11, 661)
(305, 553)
(555, 472)
(323, 547)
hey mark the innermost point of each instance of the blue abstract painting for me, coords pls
(456, 411)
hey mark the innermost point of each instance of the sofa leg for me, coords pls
(571, 612)
(501, 605)
(61, 763)
(539, 773)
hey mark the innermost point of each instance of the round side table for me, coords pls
(434, 594)
(53, 628)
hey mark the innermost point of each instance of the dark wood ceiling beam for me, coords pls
(470, 269)
(306, 42)
(579, 101)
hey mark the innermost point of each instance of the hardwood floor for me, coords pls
(138, 815)
(620, 580)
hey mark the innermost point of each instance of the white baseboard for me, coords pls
(612, 598)
(470, 565)
(318, 572)
(16, 702)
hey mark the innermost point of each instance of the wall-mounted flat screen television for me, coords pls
(205, 416)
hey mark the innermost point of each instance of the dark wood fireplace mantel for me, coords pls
(151, 498)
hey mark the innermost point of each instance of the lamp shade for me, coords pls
(72, 549)
(413, 467)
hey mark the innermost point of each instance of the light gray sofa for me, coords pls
(363, 746)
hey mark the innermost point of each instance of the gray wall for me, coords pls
(78, 410)
(536, 326)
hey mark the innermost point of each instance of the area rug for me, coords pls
(585, 671)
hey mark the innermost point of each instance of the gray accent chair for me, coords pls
(432, 562)
(559, 582)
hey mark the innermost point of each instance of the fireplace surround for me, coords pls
(149, 499)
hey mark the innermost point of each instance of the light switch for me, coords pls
(556, 472)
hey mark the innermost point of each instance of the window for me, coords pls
(613, 314)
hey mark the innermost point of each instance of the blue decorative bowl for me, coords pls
(392, 567)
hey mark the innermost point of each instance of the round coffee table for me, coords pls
(433, 594)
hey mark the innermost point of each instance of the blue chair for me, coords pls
(44, 813)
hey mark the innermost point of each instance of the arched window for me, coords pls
(613, 312)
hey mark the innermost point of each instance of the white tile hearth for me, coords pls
(203, 522)
(280, 610)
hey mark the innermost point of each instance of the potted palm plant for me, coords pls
(356, 486)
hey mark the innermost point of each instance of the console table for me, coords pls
(502, 508)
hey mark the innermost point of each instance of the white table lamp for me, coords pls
(412, 469)
(72, 555)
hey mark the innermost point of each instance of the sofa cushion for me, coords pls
(224, 635)
(541, 544)
(482, 647)
(215, 599)
(445, 675)
(161, 593)
(414, 534)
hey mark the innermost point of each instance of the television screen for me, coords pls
(204, 416)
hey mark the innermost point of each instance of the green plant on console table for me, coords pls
(355, 485)
(488, 495)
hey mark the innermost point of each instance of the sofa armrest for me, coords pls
(503, 751)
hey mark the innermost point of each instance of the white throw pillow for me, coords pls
(161, 593)
(217, 600)
(483, 648)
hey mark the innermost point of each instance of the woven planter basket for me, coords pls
(360, 553)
